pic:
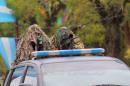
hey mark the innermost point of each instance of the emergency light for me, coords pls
(68, 52)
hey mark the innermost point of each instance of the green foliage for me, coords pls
(92, 35)
(84, 13)
(26, 12)
(7, 30)
(2, 66)
(107, 3)
(127, 57)
(127, 14)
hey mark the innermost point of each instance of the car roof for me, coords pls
(71, 59)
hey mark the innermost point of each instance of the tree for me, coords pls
(52, 9)
(84, 21)
(126, 24)
(112, 18)
(27, 13)
(98, 22)
(7, 30)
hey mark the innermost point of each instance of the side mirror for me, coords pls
(24, 84)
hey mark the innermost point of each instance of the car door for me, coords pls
(22, 75)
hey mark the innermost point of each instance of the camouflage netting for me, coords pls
(33, 40)
(65, 39)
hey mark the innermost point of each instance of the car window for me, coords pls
(88, 73)
(18, 73)
(30, 76)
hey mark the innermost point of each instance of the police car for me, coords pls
(70, 70)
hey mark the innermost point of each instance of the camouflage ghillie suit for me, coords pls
(33, 40)
(66, 39)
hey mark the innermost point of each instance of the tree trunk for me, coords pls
(111, 18)
(17, 31)
(127, 33)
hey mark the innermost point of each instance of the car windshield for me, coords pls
(86, 73)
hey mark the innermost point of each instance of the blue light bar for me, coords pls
(68, 52)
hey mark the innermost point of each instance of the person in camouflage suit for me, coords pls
(36, 40)
(64, 38)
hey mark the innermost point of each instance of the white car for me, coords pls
(70, 71)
